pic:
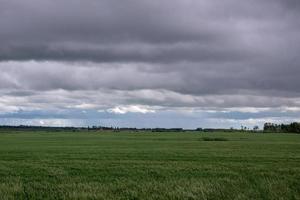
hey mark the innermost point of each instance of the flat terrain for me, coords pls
(107, 165)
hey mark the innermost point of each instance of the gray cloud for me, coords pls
(208, 54)
(104, 31)
(185, 78)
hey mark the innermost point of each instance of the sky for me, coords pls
(149, 63)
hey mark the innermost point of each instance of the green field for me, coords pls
(107, 165)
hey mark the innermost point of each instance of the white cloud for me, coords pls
(84, 106)
(7, 109)
(290, 109)
(131, 109)
(247, 109)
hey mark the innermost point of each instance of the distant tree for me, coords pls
(255, 128)
(295, 127)
(284, 128)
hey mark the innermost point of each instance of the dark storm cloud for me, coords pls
(104, 31)
(191, 53)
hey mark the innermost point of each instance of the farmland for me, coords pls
(146, 165)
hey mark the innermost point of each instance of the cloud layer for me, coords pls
(140, 56)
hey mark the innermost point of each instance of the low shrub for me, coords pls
(214, 139)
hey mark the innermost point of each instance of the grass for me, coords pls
(105, 165)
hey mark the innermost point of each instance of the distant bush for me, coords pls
(214, 139)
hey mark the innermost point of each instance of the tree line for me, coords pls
(282, 128)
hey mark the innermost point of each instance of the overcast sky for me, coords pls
(149, 63)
